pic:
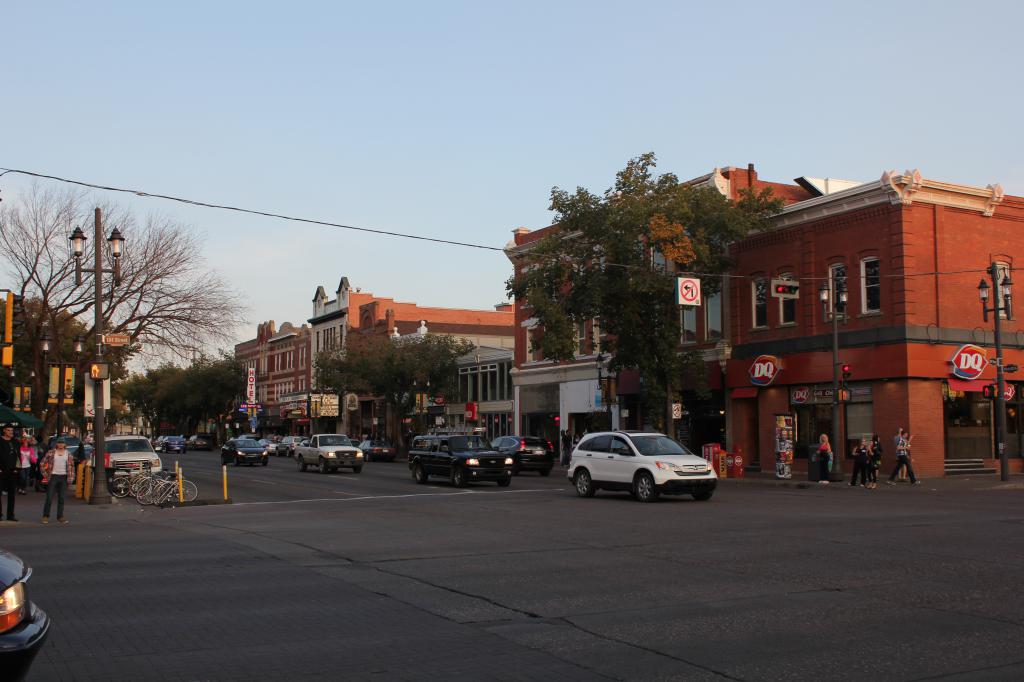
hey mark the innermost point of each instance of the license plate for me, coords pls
(538, 452)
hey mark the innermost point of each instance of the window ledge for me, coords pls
(871, 313)
(787, 324)
(759, 329)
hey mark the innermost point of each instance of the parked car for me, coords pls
(244, 451)
(378, 449)
(460, 459)
(200, 441)
(23, 625)
(286, 448)
(130, 453)
(329, 452)
(173, 444)
(529, 453)
(646, 464)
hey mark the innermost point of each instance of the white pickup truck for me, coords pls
(130, 453)
(328, 452)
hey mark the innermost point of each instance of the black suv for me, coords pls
(528, 452)
(460, 459)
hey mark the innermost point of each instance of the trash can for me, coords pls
(813, 465)
(737, 466)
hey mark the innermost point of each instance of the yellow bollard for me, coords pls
(224, 468)
(181, 490)
(88, 483)
(79, 480)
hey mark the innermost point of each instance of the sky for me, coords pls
(455, 119)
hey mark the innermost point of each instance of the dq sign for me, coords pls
(764, 370)
(969, 362)
(800, 395)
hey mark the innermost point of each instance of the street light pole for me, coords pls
(1002, 303)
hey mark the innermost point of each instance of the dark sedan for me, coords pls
(173, 444)
(377, 449)
(23, 625)
(244, 451)
(530, 453)
(200, 441)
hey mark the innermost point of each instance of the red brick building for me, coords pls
(281, 358)
(912, 252)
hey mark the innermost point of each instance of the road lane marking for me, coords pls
(260, 480)
(382, 497)
(345, 492)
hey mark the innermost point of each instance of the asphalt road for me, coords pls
(370, 576)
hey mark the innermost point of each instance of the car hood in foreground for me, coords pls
(12, 569)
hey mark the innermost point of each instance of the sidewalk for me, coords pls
(799, 481)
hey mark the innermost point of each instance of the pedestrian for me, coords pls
(26, 460)
(861, 460)
(9, 469)
(902, 442)
(876, 461)
(60, 469)
(824, 459)
(566, 447)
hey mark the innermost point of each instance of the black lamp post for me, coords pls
(838, 309)
(100, 494)
(1002, 303)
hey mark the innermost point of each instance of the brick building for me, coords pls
(281, 358)
(912, 251)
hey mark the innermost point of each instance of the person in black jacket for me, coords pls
(9, 468)
(861, 457)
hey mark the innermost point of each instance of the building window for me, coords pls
(787, 306)
(581, 338)
(870, 286)
(759, 302)
(836, 274)
(713, 317)
(688, 322)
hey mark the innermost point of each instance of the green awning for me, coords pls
(25, 419)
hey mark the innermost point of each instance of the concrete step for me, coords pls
(963, 472)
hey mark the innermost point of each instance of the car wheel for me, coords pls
(545, 472)
(300, 462)
(458, 477)
(584, 484)
(643, 487)
(704, 496)
(505, 482)
(418, 474)
(356, 470)
(323, 466)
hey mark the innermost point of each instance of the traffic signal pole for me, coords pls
(100, 494)
(1004, 465)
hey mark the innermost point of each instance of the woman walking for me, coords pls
(824, 459)
(26, 463)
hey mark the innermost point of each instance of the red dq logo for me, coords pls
(800, 395)
(764, 370)
(969, 362)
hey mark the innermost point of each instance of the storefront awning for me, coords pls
(25, 419)
(745, 392)
(975, 386)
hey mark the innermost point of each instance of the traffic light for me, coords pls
(990, 391)
(847, 371)
(785, 288)
(99, 370)
(13, 313)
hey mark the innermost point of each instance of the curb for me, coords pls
(196, 503)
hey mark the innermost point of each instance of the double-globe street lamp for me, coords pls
(62, 367)
(100, 494)
(835, 287)
(1002, 304)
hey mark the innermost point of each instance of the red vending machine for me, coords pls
(785, 434)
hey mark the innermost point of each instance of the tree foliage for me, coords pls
(614, 258)
(168, 301)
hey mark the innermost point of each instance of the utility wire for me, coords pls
(436, 240)
(250, 211)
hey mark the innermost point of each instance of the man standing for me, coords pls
(9, 468)
(60, 468)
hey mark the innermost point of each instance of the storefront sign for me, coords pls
(822, 394)
(764, 370)
(250, 385)
(1009, 393)
(969, 362)
(800, 395)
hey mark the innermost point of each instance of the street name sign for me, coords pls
(117, 339)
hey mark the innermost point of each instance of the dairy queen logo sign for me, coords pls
(800, 395)
(764, 369)
(969, 362)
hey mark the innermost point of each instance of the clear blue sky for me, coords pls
(456, 119)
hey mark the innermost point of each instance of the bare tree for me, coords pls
(168, 301)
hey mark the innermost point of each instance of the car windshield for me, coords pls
(134, 445)
(653, 446)
(334, 440)
(245, 443)
(468, 443)
(530, 440)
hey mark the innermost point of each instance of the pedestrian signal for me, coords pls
(990, 391)
(99, 370)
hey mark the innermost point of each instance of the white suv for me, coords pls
(646, 464)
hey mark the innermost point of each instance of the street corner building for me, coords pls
(909, 252)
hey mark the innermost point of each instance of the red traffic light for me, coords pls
(990, 391)
(846, 369)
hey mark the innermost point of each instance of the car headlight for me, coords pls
(473, 462)
(156, 463)
(330, 454)
(12, 606)
(509, 460)
(359, 453)
(667, 466)
(239, 452)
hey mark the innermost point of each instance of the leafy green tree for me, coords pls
(614, 258)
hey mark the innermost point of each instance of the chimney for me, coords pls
(503, 307)
(518, 233)
(751, 175)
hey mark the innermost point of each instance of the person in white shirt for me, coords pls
(59, 467)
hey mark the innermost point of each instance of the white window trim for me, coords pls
(707, 313)
(832, 289)
(683, 309)
(753, 304)
(864, 310)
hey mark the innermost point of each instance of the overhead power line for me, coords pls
(266, 214)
